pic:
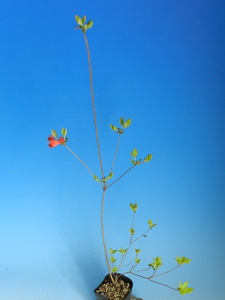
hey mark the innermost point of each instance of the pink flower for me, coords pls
(54, 142)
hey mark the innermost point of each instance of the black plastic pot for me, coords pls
(108, 279)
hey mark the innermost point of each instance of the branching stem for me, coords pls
(128, 248)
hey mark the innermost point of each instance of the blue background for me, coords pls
(160, 63)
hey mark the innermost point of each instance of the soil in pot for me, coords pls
(119, 290)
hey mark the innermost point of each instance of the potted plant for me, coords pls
(116, 285)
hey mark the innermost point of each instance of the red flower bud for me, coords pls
(54, 142)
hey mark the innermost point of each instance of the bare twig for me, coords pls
(153, 281)
(80, 160)
(141, 235)
(115, 154)
(166, 272)
(120, 176)
(93, 104)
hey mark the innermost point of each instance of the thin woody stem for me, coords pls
(141, 235)
(165, 272)
(99, 154)
(103, 233)
(93, 104)
(115, 154)
(102, 228)
(80, 160)
(130, 242)
(166, 285)
(153, 280)
(121, 176)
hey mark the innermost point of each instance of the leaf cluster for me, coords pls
(81, 23)
(157, 262)
(182, 260)
(136, 161)
(104, 179)
(123, 125)
(184, 289)
(63, 133)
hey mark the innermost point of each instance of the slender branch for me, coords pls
(115, 154)
(153, 280)
(128, 248)
(166, 272)
(132, 226)
(121, 176)
(145, 270)
(93, 104)
(141, 235)
(122, 259)
(166, 285)
(80, 160)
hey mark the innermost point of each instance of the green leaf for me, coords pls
(184, 289)
(134, 207)
(157, 262)
(112, 259)
(109, 177)
(134, 153)
(132, 231)
(112, 251)
(122, 251)
(150, 224)
(54, 133)
(113, 127)
(127, 123)
(64, 131)
(137, 251)
(96, 178)
(89, 24)
(115, 269)
(148, 158)
(182, 260)
(137, 260)
(79, 20)
(121, 121)
(83, 19)
(133, 161)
